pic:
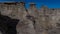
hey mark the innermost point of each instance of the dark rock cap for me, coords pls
(22, 2)
(32, 4)
(10, 3)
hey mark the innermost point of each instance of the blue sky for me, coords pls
(39, 3)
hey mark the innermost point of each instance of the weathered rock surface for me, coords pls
(31, 20)
(8, 25)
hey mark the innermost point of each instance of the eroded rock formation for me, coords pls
(8, 25)
(31, 20)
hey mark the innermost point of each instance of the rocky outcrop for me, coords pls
(8, 25)
(31, 20)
